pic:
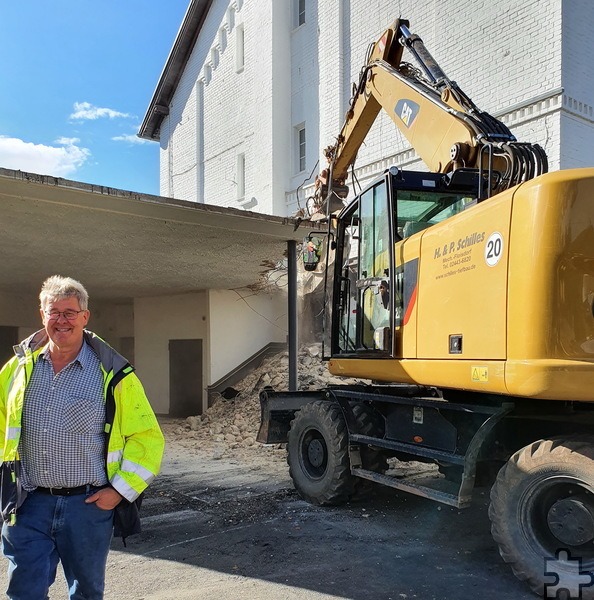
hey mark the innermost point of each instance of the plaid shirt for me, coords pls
(63, 439)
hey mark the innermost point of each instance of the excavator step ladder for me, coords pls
(439, 489)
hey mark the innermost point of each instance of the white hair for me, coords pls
(57, 287)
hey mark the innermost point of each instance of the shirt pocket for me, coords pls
(82, 415)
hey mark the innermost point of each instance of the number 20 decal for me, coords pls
(494, 249)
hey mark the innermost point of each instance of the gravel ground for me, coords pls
(223, 520)
(233, 527)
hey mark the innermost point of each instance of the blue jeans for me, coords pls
(50, 529)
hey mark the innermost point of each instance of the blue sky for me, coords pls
(76, 79)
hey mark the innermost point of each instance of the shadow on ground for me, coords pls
(391, 546)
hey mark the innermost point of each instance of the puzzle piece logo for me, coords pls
(568, 578)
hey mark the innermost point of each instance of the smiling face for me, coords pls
(64, 334)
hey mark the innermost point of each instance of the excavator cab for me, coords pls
(373, 285)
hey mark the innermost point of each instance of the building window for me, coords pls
(300, 142)
(240, 176)
(239, 48)
(300, 12)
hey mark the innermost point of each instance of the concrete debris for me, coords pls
(229, 427)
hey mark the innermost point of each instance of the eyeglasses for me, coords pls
(70, 315)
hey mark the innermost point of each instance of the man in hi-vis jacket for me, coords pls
(80, 443)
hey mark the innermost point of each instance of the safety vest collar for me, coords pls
(31, 346)
(111, 361)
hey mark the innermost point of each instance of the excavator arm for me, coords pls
(439, 120)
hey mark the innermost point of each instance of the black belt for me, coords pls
(81, 489)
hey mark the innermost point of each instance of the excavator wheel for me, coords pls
(369, 423)
(318, 455)
(542, 515)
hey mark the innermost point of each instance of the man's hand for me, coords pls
(105, 498)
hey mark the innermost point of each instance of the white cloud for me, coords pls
(65, 141)
(85, 111)
(59, 161)
(131, 138)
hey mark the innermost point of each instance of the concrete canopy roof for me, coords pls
(122, 244)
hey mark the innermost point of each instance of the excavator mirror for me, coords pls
(312, 251)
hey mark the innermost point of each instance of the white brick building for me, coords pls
(261, 95)
(253, 90)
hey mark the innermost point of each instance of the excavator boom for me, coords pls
(439, 120)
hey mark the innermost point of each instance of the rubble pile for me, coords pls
(231, 424)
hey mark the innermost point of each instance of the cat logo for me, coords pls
(407, 111)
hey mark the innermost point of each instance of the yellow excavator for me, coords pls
(464, 296)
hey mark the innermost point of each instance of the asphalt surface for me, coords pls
(219, 528)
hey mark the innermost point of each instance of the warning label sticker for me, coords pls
(479, 374)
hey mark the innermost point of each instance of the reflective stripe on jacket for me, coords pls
(135, 442)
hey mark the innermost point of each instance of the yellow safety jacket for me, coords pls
(134, 440)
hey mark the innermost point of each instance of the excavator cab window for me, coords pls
(348, 259)
(419, 209)
(362, 288)
(369, 285)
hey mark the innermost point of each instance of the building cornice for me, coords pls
(176, 62)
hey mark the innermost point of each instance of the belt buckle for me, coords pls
(65, 491)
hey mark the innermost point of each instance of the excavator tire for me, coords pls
(369, 423)
(542, 515)
(318, 455)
